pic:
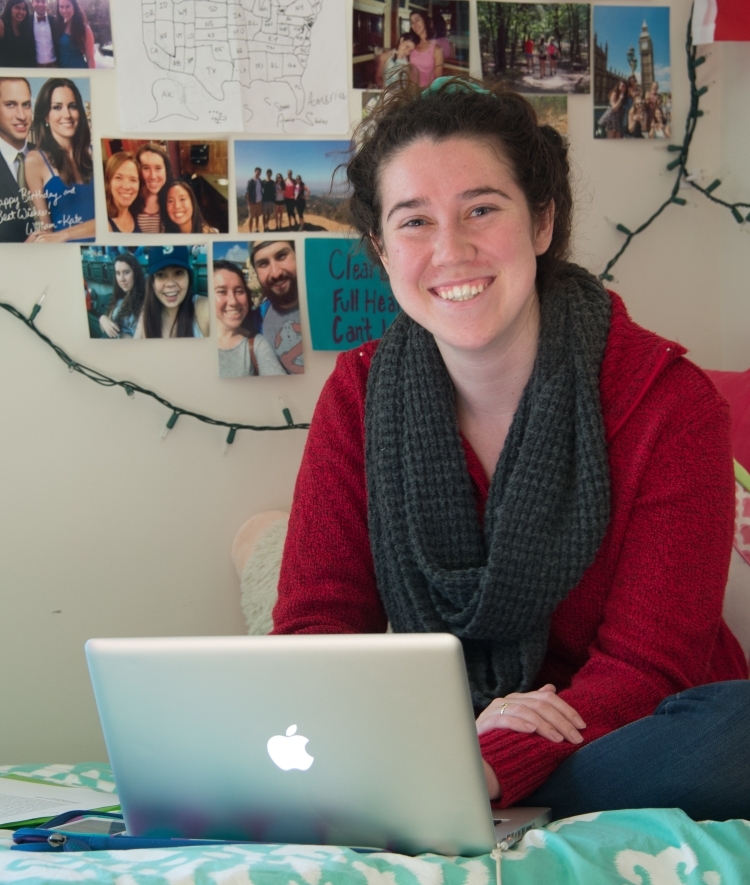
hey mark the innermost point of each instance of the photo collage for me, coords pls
(204, 235)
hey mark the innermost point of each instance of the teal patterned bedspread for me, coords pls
(647, 847)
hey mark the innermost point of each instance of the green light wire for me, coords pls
(131, 388)
(680, 163)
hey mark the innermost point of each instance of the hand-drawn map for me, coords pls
(265, 66)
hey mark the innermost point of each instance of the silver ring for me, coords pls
(502, 709)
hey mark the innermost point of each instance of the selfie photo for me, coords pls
(173, 187)
(146, 291)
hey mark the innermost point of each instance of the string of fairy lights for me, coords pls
(679, 164)
(131, 388)
(694, 61)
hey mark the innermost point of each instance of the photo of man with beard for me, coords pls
(275, 264)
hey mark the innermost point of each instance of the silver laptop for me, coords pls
(363, 740)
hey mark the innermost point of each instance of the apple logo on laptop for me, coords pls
(289, 752)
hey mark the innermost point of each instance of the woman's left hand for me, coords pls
(539, 711)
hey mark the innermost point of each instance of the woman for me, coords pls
(17, 48)
(541, 51)
(611, 120)
(659, 128)
(280, 204)
(171, 309)
(520, 464)
(239, 355)
(180, 211)
(76, 40)
(121, 186)
(301, 193)
(637, 119)
(553, 54)
(155, 171)
(128, 293)
(427, 57)
(59, 173)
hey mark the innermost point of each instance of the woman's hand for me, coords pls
(109, 327)
(539, 711)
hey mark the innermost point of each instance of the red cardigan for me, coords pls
(645, 620)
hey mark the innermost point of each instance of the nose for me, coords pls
(452, 244)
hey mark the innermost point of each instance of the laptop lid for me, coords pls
(347, 740)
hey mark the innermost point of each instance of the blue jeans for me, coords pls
(693, 753)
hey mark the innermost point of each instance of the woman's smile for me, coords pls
(171, 285)
(125, 185)
(179, 207)
(462, 291)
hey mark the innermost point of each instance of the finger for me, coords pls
(524, 721)
(503, 720)
(549, 697)
(546, 719)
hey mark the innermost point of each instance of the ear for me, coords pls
(545, 225)
(377, 245)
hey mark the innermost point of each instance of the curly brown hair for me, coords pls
(459, 107)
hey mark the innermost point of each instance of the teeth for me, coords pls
(461, 293)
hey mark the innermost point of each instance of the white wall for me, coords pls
(107, 530)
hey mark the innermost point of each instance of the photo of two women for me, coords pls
(174, 187)
(146, 291)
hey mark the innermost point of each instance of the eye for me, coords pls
(479, 211)
(414, 222)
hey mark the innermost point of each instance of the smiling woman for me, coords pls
(121, 185)
(180, 211)
(171, 308)
(59, 173)
(512, 466)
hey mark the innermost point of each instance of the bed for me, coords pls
(646, 847)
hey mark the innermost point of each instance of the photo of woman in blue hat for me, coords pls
(172, 308)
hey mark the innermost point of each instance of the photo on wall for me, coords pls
(632, 73)
(146, 291)
(174, 187)
(256, 299)
(46, 170)
(290, 185)
(416, 41)
(536, 47)
(349, 297)
(62, 34)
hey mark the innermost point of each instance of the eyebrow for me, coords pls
(418, 202)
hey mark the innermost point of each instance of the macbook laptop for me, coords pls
(360, 740)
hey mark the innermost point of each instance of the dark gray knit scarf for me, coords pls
(437, 569)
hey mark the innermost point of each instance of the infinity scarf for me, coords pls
(438, 570)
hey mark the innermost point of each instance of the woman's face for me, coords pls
(180, 207)
(18, 12)
(66, 10)
(171, 285)
(459, 242)
(124, 184)
(418, 24)
(124, 276)
(153, 171)
(658, 115)
(63, 114)
(279, 178)
(231, 299)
